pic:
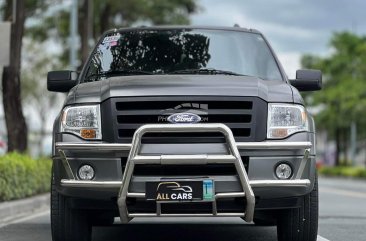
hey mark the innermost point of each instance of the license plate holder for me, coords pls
(181, 190)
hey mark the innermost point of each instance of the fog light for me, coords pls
(283, 171)
(86, 172)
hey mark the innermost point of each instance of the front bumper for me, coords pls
(238, 186)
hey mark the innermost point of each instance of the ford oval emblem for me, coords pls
(180, 118)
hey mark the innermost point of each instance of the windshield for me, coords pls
(182, 51)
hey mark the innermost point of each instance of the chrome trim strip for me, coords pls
(147, 215)
(183, 159)
(99, 146)
(265, 145)
(281, 183)
(90, 184)
(66, 164)
(303, 164)
(270, 145)
(136, 195)
(253, 183)
(229, 194)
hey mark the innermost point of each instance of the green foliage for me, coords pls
(343, 171)
(344, 77)
(343, 98)
(33, 7)
(107, 14)
(21, 176)
(132, 11)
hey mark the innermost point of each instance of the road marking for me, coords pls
(23, 219)
(343, 192)
(320, 238)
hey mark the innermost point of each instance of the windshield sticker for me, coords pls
(111, 40)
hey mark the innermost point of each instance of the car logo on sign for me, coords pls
(181, 118)
(173, 191)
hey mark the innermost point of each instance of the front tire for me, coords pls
(300, 224)
(67, 224)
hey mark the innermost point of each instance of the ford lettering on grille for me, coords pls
(184, 118)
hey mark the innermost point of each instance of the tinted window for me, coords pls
(168, 51)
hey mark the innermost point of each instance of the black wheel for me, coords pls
(67, 224)
(300, 224)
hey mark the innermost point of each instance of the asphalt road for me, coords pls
(342, 218)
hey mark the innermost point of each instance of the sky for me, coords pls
(293, 27)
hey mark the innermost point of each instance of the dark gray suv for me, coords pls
(183, 122)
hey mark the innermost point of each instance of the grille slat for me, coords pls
(134, 104)
(128, 119)
(241, 114)
(209, 112)
(129, 126)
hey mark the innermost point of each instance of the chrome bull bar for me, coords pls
(233, 157)
(135, 158)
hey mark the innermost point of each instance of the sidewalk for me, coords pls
(20, 208)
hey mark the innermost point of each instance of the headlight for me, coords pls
(286, 119)
(83, 121)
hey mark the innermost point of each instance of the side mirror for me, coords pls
(307, 80)
(61, 81)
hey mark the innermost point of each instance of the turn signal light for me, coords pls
(279, 133)
(88, 133)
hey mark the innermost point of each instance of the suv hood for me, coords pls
(180, 85)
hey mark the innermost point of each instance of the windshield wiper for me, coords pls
(204, 71)
(119, 72)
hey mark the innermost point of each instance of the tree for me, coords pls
(101, 14)
(14, 118)
(34, 91)
(17, 131)
(97, 16)
(343, 98)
